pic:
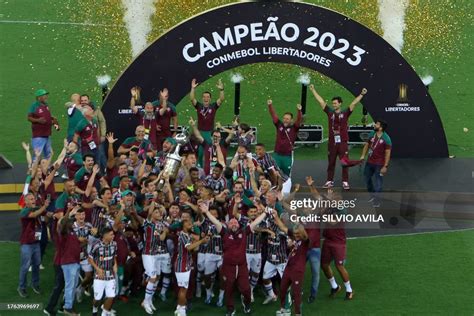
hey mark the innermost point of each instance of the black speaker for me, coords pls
(310, 134)
(5, 163)
(359, 134)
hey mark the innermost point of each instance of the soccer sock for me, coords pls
(198, 281)
(123, 290)
(95, 309)
(165, 285)
(221, 295)
(181, 310)
(213, 280)
(155, 285)
(348, 286)
(333, 282)
(209, 292)
(253, 281)
(269, 289)
(150, 291)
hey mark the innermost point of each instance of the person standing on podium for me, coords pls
(338, 135)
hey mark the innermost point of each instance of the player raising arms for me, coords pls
(234, 268)
(338, 135)
(206, 111)
(286, 131)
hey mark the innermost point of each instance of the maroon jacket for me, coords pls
(285, 136)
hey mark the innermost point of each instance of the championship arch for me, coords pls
(294, 33)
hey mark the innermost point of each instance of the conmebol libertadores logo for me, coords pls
(403, 103)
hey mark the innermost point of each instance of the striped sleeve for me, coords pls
(93, 253)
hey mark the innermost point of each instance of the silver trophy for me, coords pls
(173, 159)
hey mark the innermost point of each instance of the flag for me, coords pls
(21, 202)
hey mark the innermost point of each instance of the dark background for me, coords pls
(413, 134)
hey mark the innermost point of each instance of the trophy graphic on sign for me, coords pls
(173, 159)
(402, 92)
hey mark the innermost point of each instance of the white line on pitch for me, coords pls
(413, 234)
(58, 23)
(351, 238)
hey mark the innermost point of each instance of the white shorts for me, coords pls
(86, 266)
(212, 262)
(201, 261)
(270, 270)
(101, 286)
(155, 265)
(150, 264)
(164, 263)
(182, 278)
(254, 262)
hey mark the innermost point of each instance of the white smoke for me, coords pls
(137, 20)
(427, 80)
(236, 78)
(392, 20)
(103, 80)
(304, 79)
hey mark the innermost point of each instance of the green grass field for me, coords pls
(66, 58)
(424, 274)
(403, 275)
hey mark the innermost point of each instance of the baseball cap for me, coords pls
(41, 92)
(127, 192)
(171, 140)
(196, 230)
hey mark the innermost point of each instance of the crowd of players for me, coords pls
(122, 227)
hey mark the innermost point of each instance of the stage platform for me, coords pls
(421, 195)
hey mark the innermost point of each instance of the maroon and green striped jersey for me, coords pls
(96, 216)
(153, 245)
(254, 241)
(214, 245)
(217, 185)
(268, 163)
(277, 246)
(82, 231)
(104, 257)
(203, 248)
(100, 218)
(242, 170)
(184, 258)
